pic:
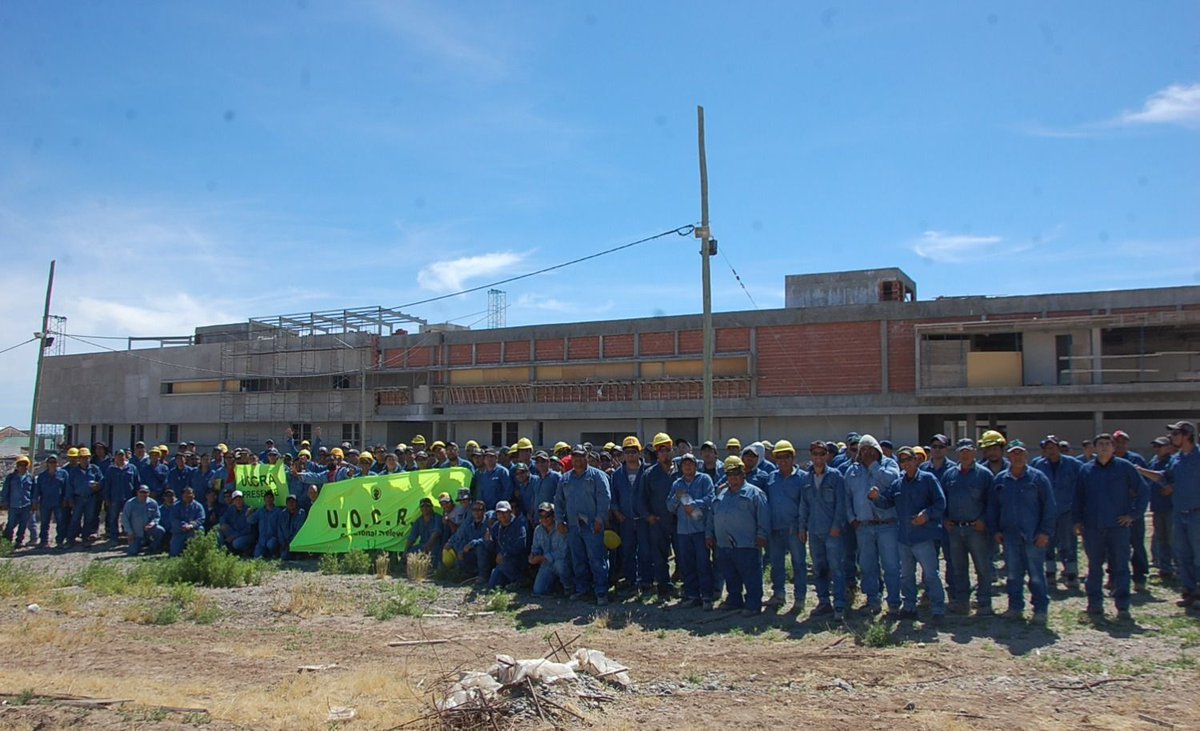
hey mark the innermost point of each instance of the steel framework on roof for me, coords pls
(377, 320)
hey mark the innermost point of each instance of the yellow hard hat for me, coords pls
(471, 444)
(631, 442)
(418, 439)
(733, 462)
(449, 557)
(783, 446)
(921, 451)
(992, 438)
(662, 438)
(223, 449)
(337, 452)
(72, 452)
(22, 458)
(562, 447)
(164, 449)
(366, 457)
(524, 443)
(609, 446)
(733, 443)
(437, 444)
(153, 450)
(304, 453)
(85, 452)
(612, 541)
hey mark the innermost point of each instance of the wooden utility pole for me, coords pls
(706, 251)
(37, 378)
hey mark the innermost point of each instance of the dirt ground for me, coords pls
(230, 658)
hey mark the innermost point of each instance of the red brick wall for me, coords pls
(583, 348)
(691, 341)
(902, 357)
(487, 352)
(733, 340)
(660, 343)
(517, 351)
(460, 354)
(618, 346)
(551, 349)
(806, 360)
(417, 357)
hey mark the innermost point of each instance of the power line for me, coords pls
(14, 347)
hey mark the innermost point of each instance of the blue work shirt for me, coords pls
(469, 534)
(582, 499)
(493, 486)
(1109, 491)
(1022, 505)
(236, 521)
(79, 481)
(698, 494)
(938, 470)
(50, 489)
(1159, 502)
(656, 484)
(120, 483)
(547, 487)
(511, 541)
(1183, 471)
(289, 525)
(423, 531)
(911, 496)
(192, 514)
(967, 493)
(151, 476)
(177, 479)
(136, 515)
(1064, 477)
(859, 481)
(783, 495)
(266, 521)
(738, 519)
(627, 491)
(552, 545)
(822, 508)
(18, 491)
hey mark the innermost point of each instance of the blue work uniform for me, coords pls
(266, 523)
(735, 522)
(919, 495)
(783, 495)
(287, 528)
(187, 521)
(119, 485)
(142, 525)
(49, 494)
(1106, 493)
(1063, 474)
(690, 503)
(875, 532)
(555, 570)
(968, 540)
(511, 548)
(580, 501)
(492, 486)
(236, 533)
(1183, 471)
(821, 512)
(660, 521)
(1021, 508)
(17, 498)
(633, 529)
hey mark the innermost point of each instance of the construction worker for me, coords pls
(738, 526)
(628, 486)
(875, 525)
(119, 485)
(660, 520)
(1163, 509)
(967, 487)
(1111, 494)
(549, 554)
(1021, 514)
(187, 521)
(289, 525)
(49, 495)
(1183, 474)
(733, 448)
(821, 521)
(581, 504)
(690, 500)
(1137, 531)
(783, 490)
(17, 499)
(140, 518)
(509, 545)
(493, 483)
(1063, 473)
(991, 444)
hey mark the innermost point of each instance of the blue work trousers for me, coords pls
(59, 514)
(879, 553)
(661, 537)
(695, 567)
(1139, 561)
(784, 543)
(179, 540)
(968, 546)
(1187, 548)
(1023, 559)
(1162, 543)
(828, 573)
(1064, 547)
(1107, 546)
(18, 523)
(635, 552)
(589, 557)
(742, 569)
(925, 554)
(150, 540)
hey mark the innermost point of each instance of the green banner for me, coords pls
(256, 480)
(375, 512)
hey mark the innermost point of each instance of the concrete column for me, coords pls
(1097, 422)
(1097, 362)
(972, 427)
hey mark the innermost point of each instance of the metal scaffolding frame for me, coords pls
(374, 320)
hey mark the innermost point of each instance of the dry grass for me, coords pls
(383, 565)
(312, 599)
(418, 566)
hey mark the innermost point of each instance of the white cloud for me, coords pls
(955, 247)
(1176, 104)
(443, 36)
(453, 275)
(533, 301)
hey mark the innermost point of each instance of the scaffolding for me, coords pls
(303, 368)
(497, 307)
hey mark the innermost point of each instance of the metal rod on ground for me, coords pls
(705, 254)
(37, 378)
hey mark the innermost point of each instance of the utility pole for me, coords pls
(37, 378)
(707, 249)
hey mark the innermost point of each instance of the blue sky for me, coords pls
(194, 163)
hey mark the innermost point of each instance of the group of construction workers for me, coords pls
(695, 528)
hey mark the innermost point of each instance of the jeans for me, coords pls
(1163, 541)
(505, 573)
(1064, 546)
(785, 543)
(91, 518)
(112, 519)
(477, 561)
(238, 544)
(1140, 562)
(1107, 546)
(548, 576)
(150, 540)
(695, 567)
(849, 555)
(635, 552)
(742, 567)
(1023, 558)
(968, 546)
(58, 513)
(179, 540)
(925, 554)
(1187, 548)
(879, 550)
(588, 556)
(18, 521)
(661, 538)
(827, 556)
(268, 547)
